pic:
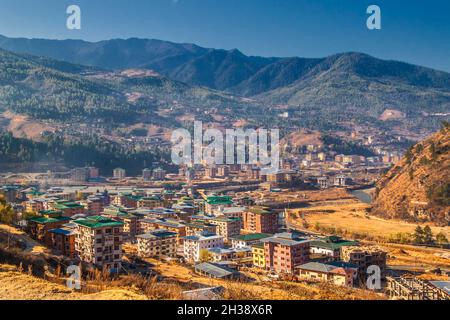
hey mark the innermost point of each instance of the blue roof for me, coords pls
(65, 232)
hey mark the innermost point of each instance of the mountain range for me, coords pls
(352, 86)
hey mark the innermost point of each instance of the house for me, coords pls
(247, 240)
(193, 245)
(157, 243)
(216, 271)
(285, 251)
(341, 274)
(260, 220)
(99, 241)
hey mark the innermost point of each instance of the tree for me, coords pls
(427, 235)
(205, 256)
(7, 214)
(418, 235)
(441, 239)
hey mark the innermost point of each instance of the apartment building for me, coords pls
(248, 240)
(193, 245)
(131, 226)
(68, 208)
(157, 243)
(39, 227)
(63, 241)
(285, 251)
(216, 204)
(148, 225)
(364, 257)
(199, 226)
(150, 202)
(260, 220)
(99, 241)
(227, 227)
(119, 173)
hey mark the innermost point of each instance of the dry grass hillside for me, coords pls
(418, 187)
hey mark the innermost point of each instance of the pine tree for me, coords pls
(418, 235)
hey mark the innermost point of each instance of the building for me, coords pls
(99, 241)
(63, 241)
(216, 204)
(94, 205)
(258, 256)
(223, 171)
(147, 225)
(200, 226)
(229, 254)
(216, 271)
(131, 226)
(247, 240)
(10, 193)
(285, 251)
(39, 227)
(195, 244)
(340, 274)
(227, 227)
(210, 172)
(146, 174)
(159, 174)
(157, 243)
(364, 257)
(79, 174)
(119, 173)
(150, 202)
(260, 220)
(330, 246)
(68, 208)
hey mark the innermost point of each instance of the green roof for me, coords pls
(259, 210)
(98, 222)
(218, 200)
(333, 243)
(44, 220)
(68, 205)
(50, 212)
(252, 236)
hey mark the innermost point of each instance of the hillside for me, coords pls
(322, 92)
(418, 187)
(44, 88)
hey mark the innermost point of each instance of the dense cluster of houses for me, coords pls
(215, 234)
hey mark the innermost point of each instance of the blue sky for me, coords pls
(412, 31)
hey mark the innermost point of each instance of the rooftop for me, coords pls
(251, 236)
(98, 222)
(215, 270)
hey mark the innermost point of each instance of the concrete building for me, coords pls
(193, 245)
(216, 204)
(364, 257)
(159, 174)
(285, 251)
(330, 246)
(258, 256)
(260, 220)
(227, 227)
(119, 173)
(99, 241)
(247, 240)
(157, 243)
(147, 174)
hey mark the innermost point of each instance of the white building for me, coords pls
(193, 245)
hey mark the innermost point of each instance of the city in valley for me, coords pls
(306, 231)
